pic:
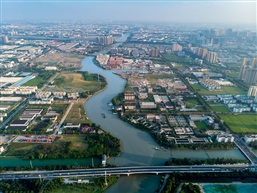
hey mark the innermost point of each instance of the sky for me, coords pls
(173, 11)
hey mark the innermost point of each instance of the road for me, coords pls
(243, 147)
(10, 117)
(164, 182)
(50, 80)
(123, 171)
(63, 118)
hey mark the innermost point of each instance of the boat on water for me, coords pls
(109, 104)
(103, 115)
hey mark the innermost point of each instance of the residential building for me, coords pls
(154, 52)
(211, 57)
(252, 92)
(176, 47)
(147, 105)
(242, 69)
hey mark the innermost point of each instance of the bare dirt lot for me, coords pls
(61, 59)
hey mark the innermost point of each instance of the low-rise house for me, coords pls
(147, 105)
(71, 125)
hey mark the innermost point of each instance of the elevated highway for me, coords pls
(125, 171)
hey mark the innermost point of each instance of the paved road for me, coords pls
(50, 80)
(63, 118)
(124, 171)
(245, 150)
(17, 110)
(164, 182)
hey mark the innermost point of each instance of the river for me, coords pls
(137, 146)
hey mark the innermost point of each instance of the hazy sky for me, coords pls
(211, 11)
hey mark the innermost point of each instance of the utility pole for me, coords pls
(92, 162)
(105, 178)
(31, 164)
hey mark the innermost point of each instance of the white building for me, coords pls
(1, 149)
(51, 68)
(225, 138)
(250, 138)
(252, 92)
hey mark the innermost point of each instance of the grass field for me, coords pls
(40, 79)
(78, 141)
(233, 74)
(35, 82)
(175, 58)
(74, 82)
(153, 79)
(191, 102)
(201, 125)
(224, 90)
(219, 108)
(59, 108)
(18, 149)
(96, 185)
(241, 123)
(77, 113)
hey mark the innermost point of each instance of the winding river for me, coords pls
(138, 147)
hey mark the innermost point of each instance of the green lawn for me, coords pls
(241, 123)
(96, 185)
(191, 102)
(35, 82)
(224, 90)
(219, 108)
(78, 141)
(18, 149)
(175, 58)
(74, 82)
(201, 125)
(233, 74)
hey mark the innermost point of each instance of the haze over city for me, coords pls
(190, 11)
(128, 96)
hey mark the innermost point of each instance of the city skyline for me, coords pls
(222, 11)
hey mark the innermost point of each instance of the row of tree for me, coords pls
(209, 161)
(29, 186)
(98, 144)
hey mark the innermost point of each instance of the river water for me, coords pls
(137, 146)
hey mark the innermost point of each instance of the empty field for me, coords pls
(77, 113)
(201, 125)
(61, 59)
(19, 149)
(224, 90)
(191, 102)
(219, 108)
(78, 141)
(74, 82)
(241, 123)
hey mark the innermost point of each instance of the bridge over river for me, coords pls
(124, 171)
